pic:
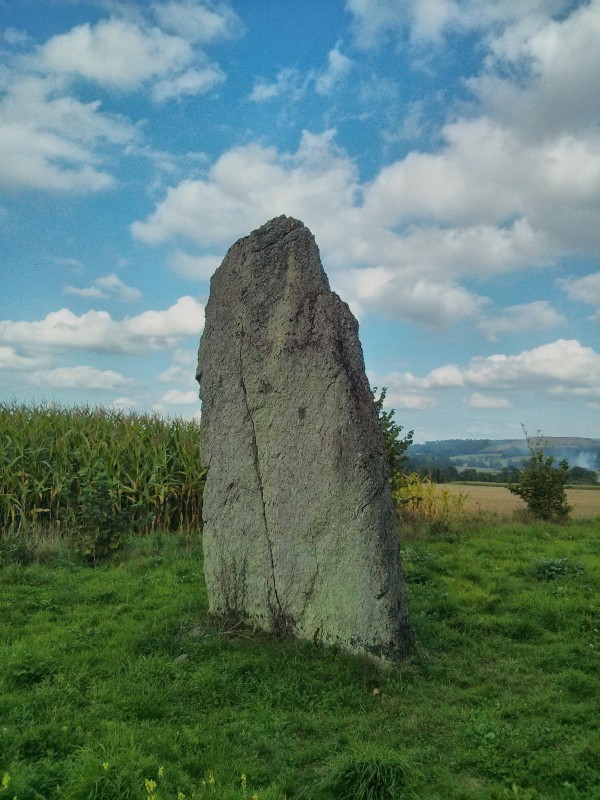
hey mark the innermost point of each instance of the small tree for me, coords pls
(541, 485)
(395, 447)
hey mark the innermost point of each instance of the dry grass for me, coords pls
(498, 500)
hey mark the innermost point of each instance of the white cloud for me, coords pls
(248, 185)
(562, 62)
(81, 377)
(563, 363)
(182, 370)
(338, 67)
(115, 53)
(429, 20)
(412, 400)
(292, 84)
(68, 262)
(10, 359)
(51, 141)
(289, 82)
(586, 289)
(124, 402)
(175, 397)
(197, 267)
(97, 331)
(478, 400)
(108, 286)
(519, 318)
(491, 198)
(561, 367)
(434, 304)
(15, 37)
(190, 82)
(92, 292)
(198, 22)
(485, 206)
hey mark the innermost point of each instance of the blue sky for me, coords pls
(445, 153)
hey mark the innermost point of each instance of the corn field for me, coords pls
(420, 498)
(53, 459)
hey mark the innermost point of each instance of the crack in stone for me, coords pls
(372, 499)
(255, 459)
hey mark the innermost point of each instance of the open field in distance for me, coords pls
(498, 500)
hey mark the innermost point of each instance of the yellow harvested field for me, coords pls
(498, 500)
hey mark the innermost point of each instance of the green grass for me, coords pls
(109, 674)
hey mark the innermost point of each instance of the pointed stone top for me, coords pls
(274, 230)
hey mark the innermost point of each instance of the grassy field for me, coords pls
(113, 685)
(499, 501)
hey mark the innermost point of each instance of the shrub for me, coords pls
(395, 447)
(541, 485)
(549, 569)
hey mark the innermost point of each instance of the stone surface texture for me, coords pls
(299, 529)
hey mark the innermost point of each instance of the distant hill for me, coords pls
(495, 453)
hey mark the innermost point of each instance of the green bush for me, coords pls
(541, 485)
(549, 569)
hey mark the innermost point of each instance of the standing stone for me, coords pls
(299, 528)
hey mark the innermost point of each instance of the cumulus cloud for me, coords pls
(190, 82)
(182, 370)
(124, 402)
(51, 140)
(485, 206)
(81, 377)
(175, 397)
(478, 400)
(338, 67)
(431, 303)
(565, 365)
(115, 53)
(107, 287)
(491, 198)
(561, 60)
(289, 82)
(97, 331)
(428, 21)
(519, 318)
(198, 22)
(196, 267)
(10, 359)
(249, 184)
(293, 84)
(130, 53)
(585, 290)
(560, 368)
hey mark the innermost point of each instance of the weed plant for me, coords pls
(419, 499)
(115, 685)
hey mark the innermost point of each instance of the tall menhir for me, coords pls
(299, 527)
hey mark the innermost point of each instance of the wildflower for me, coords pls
(161, 772)
(150, 788)
(244, 782)
(180, 796)
(5, 780)
(254, 796)
(105, 765)
(211, 780)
